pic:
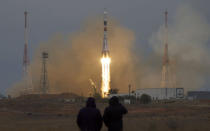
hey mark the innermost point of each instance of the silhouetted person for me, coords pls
(113, 115)
(89, 117)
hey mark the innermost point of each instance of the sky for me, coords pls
(49, 17)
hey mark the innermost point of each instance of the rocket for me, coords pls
(105, 50)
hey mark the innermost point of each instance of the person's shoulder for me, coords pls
(123, 108)
(97, 110)
(107, 108)
(82, 109)
(121, 105)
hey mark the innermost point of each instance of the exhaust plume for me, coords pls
(75, 58)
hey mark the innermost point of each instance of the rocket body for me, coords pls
(105, 50)
(105, 61)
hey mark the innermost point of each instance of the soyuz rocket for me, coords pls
(105, 50)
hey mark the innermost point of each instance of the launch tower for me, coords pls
(166, 74)
(44, 83)
(28, 86)
(25, 56)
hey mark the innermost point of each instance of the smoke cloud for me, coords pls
(188, 47)
(75, 58)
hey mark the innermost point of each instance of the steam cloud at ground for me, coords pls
(74, 59)
(189, 34)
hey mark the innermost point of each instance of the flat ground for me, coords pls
(45, 115)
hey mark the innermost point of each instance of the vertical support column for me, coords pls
(44, 84)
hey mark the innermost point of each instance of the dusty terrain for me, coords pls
(59, 114)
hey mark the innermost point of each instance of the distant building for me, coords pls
(161, 93)
(2, 96)
(125, 95)
(198, 95)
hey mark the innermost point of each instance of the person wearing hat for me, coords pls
(113, 115)
(89, 118)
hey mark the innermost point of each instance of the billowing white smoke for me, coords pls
(76, 59)
(189, 35)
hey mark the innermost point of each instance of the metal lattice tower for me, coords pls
(44, 83)
(166, 81)
(25, 56)
(26, 69)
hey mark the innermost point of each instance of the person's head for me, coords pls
(90, 102)
(113, 101)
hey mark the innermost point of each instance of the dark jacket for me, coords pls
(113, 115)
(89, 117)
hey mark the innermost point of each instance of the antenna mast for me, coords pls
(166, 78)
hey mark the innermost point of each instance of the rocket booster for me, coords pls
(105, 50)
